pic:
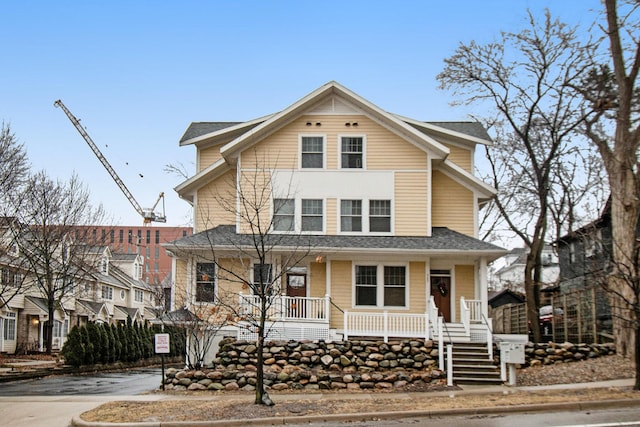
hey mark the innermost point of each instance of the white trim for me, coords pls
(364, 151)
(365, 217)
(324, 150)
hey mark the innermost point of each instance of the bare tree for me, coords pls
(614, 127)
(254, 260)
(522, 79)
(14, 168)
(52, 250)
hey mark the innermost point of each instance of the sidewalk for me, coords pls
(388, 415)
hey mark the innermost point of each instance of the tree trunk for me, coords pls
(49, 343)
(624, 217)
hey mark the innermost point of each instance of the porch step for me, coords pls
(472, 365)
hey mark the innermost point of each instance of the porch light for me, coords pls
(35, 321)
(320, 259)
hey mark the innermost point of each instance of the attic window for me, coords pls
(104, 265)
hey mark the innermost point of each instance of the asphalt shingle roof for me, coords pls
(196, 129)
(442, 239)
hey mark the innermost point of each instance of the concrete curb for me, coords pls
(370, 416)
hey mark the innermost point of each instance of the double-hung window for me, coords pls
(312, 152)
(312, 215)
(380, 215)
(351, 152)
(351, 215)
(205, 282)
(107, 292)
(284, 214)
(380, 285)
(138, 295)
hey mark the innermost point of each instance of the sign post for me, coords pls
(162, 347)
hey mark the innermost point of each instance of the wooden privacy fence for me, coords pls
(580, 316)
(585, 317)
(509, 319)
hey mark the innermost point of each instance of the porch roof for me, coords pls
(442, 241)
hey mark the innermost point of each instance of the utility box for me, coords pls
(511, 352)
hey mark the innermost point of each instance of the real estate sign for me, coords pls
(162, 343)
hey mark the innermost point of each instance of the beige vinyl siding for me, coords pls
(461, 157)
(207, 157)
(465, 284)
(331, 216)
(383, 149)
(417, 288)
(451, 205)
(340, 291)
(209, 212)
(410, 205)
(180, 286)
(229, 286)
(318, 279)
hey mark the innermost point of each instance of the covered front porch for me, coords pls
(309, 318)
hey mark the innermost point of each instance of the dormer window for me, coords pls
(137, 271)
(104, 265)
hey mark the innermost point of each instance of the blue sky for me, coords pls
(138, 72)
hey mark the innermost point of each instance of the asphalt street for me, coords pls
(106, 384)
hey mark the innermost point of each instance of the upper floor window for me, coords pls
(312, 152)
(572, 252)
(158, 236)
(138, 295)
(137, 271)
(121, 236)
(284, 214)
(312, 215)
(107, 292)
(205, 282)
(380, 215)
(352, 152)
(104, 265)
(148, 236)
(351, 215)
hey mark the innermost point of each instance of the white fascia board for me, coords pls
(481, 189)
(221, 132)
(232, 149)
(191, 185)
(458, 135)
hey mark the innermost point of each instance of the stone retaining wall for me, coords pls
(354, 365)
(315, 365)
(550, 353)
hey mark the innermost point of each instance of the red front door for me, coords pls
(297, 290)
(441, 292)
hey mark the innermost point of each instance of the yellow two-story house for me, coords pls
(372, 221)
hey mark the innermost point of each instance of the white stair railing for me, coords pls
(465, 315)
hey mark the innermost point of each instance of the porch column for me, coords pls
(484, 290)
(40, 334)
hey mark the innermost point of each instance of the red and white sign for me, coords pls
(162, 343)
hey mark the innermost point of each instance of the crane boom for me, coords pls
(148, 215)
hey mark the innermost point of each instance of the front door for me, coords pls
(297, 290)
(441, 292)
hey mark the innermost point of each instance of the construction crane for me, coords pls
(148, 215)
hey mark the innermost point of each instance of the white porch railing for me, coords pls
(282, 307)
(386, 325)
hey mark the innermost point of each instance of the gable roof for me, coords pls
(240, 136)
(442, 241)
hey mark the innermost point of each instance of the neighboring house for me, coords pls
(112, 292)
(585, 254)
(386, 206)
(511, 275)
(504, 297)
